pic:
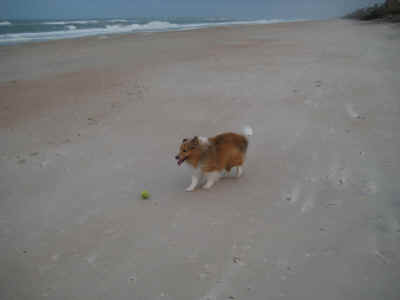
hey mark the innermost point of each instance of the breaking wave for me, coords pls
(80, 28)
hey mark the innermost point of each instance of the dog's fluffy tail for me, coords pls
(247, 131)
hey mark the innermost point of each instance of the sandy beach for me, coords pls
(87, 124)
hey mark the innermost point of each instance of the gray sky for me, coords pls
(73, 9)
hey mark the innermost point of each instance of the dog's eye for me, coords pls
(184, 151)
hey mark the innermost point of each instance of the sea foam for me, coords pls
(71, 22)
(72, 30)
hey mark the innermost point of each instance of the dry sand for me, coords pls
(87, 124)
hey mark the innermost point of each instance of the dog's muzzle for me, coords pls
(180, 160)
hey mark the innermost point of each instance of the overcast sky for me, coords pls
(72, 9)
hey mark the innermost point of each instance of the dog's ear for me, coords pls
(195, 141)
(184, 141)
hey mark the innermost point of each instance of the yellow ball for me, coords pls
(145, 194)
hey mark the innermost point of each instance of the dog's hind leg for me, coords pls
(239, 171)
(238, 161)
(212, 178)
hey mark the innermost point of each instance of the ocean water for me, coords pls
(17, 31)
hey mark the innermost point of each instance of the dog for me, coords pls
(211, 157)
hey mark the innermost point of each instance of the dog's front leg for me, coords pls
(195, 181)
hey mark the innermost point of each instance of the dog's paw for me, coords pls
(190, 189)
(239, 172)
(207, 186)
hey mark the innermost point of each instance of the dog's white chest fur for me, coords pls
(203, 140)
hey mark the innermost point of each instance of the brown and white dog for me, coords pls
(213, 156)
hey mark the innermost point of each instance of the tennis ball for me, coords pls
(145, 194)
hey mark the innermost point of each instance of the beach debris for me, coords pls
(21, 161)
(34, 154)
(352, 113)
(293, 195)
(382, 257)
(92, 121)
(237, 260)
(132, 278)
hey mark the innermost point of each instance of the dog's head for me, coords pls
(188, 149)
